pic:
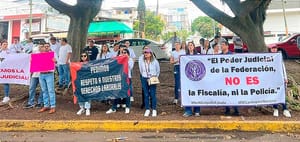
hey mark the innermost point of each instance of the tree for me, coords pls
(247, 22)
(81, 15)
(141, 17)
(153, 25)
(183, 35)
(205, 26)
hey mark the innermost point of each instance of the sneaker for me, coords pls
(287, 113)
(197, 114)
(127, 110)
(110, 111)
(39, 106)
(186, 115)
(147, 113)
(118, 105)
(52, 110)
(81, 111)
(123, 105)
(28, 106)
(154, 113)
(87, 112)
(131, 99)
(275, 113)
(175, 101)
(5, 100)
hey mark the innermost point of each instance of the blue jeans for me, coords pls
(63, 75)
(149, 92)
(6, 90)
(86, 105)
(227, 109)
(118, 101)
(130, 87)
(32, 90)
(47, 85)
(177, 80)
(188, 110)
(283, 106)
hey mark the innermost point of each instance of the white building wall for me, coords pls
(275, 22)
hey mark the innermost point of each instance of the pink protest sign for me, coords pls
(41, 62)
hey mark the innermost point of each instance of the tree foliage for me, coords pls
(153, 25)
(205, 26)
(81, 15)
(247, 22)
(183, 35)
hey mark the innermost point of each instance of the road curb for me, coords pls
(141, 126)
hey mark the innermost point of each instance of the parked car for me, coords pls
(289, 46)
(161, 51)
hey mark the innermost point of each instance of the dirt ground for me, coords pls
(66, 110)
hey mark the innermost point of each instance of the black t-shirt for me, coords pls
(92, 52)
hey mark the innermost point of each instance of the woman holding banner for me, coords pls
(175, 55)
(286, 112)
(84, 106)
(149, 67)
(125, 52)
(188, 110)
(3, 52)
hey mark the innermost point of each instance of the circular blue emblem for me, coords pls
(195, 70)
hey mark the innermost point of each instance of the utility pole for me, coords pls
(30, 17)
(157, 7)
(284, 16)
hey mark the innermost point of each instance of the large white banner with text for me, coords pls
(14, 68)
(232, 79)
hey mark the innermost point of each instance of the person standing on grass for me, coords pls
(149, 67)
(225, 50)
(64, 57)
(175, 55)
(286, 112)
(4, 52)
(84, 106)
(188, 110)
(46, 80)
(125, 52)
(34, 81)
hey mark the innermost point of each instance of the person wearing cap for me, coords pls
(149, 67)
(286, 112)
(91, 50)
(225, 50)
(174, 59)
(237, 44)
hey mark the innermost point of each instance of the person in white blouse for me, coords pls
(149, 67)
(104, 53)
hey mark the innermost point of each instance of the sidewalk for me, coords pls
(146, 126)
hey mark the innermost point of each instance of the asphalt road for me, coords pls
(147, 137)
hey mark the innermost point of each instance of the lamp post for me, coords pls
(284, 16)
(30, 17)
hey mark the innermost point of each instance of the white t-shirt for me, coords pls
(132, 54)
(63, 53)
(55, 48)
(176, 55)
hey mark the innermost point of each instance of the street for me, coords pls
(147, 137)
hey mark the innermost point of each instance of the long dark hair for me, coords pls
(87, 56)
(188, 50)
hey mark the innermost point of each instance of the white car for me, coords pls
(161, 51)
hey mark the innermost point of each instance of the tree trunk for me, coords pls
(77, 35)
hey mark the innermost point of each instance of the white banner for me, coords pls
(14, 68)
(236, 79)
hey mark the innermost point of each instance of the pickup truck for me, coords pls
(289, 46)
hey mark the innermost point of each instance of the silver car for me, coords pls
(161, 51)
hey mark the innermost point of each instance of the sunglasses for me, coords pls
(83, 55)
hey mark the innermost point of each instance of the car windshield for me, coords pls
(286, 38)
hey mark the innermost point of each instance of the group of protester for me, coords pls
(148, 67)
